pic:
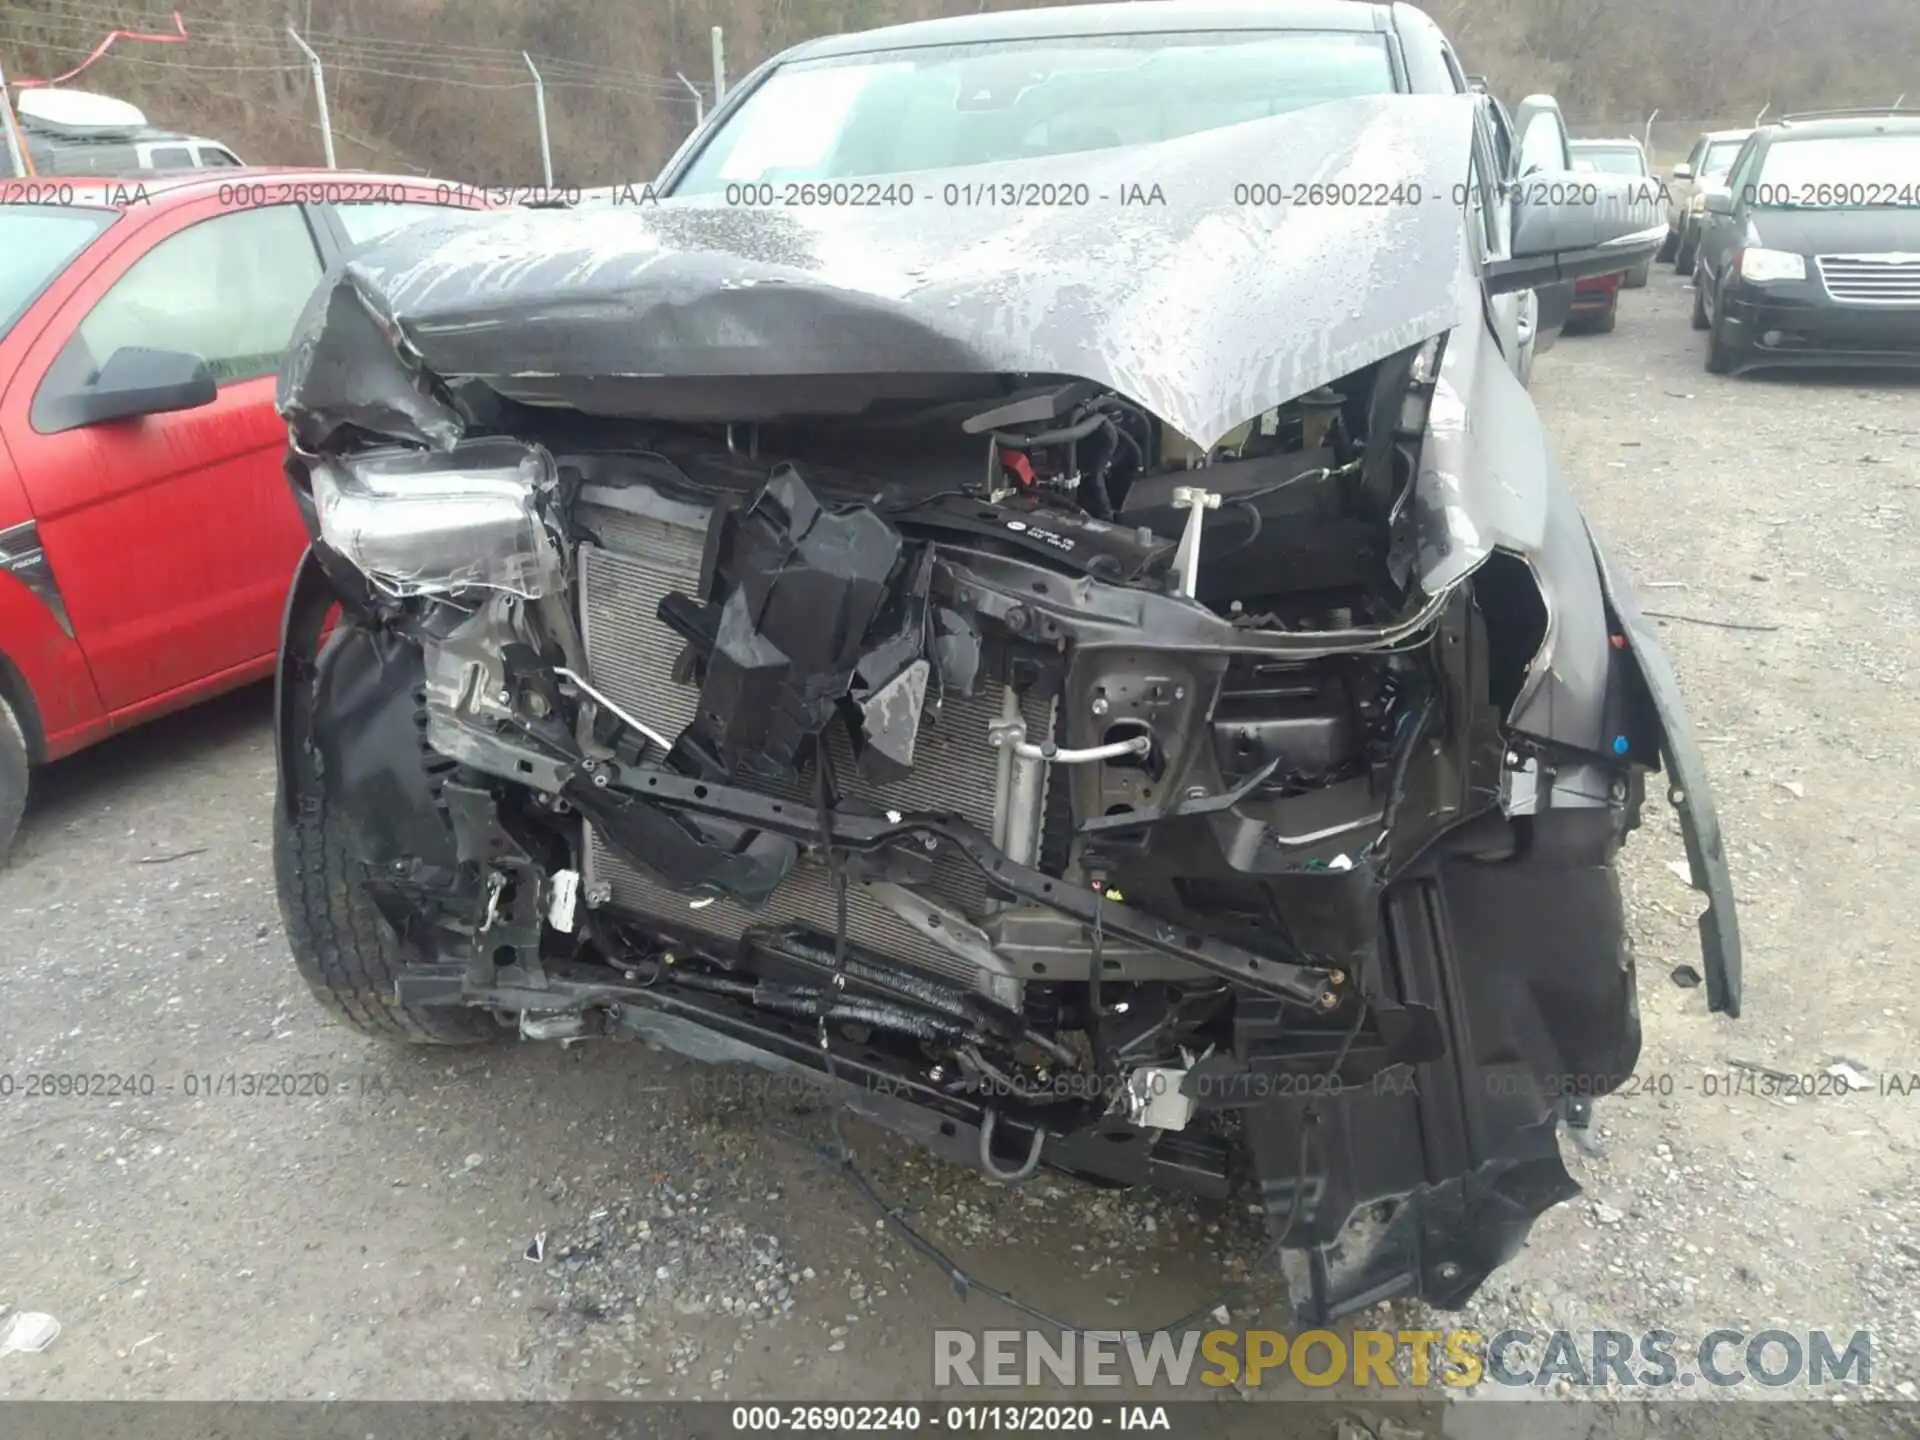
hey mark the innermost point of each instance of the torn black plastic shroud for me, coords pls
(1526, 960)
(810, 607)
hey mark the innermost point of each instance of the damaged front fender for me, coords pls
(309, 599)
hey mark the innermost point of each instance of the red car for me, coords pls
(1596, 303)
(147, 534)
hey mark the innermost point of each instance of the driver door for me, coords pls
(172, 536)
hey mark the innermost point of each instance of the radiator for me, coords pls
(649, 545)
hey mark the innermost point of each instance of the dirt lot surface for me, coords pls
(199, 1240)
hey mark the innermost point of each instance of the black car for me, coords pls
(1811, 254)
(1027, 592)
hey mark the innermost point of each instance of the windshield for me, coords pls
(951, 105)
(1617, 160)
(37, 242)
(1720, 157)
(1840, 172)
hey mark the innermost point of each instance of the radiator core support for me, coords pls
(647, 545)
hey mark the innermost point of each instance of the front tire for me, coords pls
(1603, 324)
(1723, 356)
(1699, 318)
(1637, 277)
(1683, 258)
(1669, 247)
(14, 775)
(343, 947)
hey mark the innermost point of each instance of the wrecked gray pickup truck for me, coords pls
(1118, 688)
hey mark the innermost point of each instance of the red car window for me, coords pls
(227, 289)
(37, 242)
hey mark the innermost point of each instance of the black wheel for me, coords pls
(1683, 257)
(1699, 300)
(13, 778)
(1722, 354)
(1637, 277)
(343, 947)
(1603, 324)
(1668, 247)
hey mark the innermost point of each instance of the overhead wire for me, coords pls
(469, 66)
(80, 14)
(381, 72)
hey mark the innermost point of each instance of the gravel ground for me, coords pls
(606, 1222)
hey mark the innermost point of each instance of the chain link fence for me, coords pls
(1669, 138)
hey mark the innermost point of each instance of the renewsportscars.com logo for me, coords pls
(1392, 1359)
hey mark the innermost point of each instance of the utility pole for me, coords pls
(699, 100)
(319, 90)
(540, 111)
(16, 152)
(719, 67)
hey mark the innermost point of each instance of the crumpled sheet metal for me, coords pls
(1480, 478)
(1202, 308)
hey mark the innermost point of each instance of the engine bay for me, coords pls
(1033, 775)
(779, 612)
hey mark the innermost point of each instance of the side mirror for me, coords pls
(1543, 141)
(1718, 202)
(1574, 224)
(136, 380)
(1683, 171)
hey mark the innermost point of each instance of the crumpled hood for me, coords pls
(1163, 284)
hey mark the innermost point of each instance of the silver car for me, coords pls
(1617, 157)
(1706, 166)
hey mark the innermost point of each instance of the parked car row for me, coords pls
(1809, 252)
(1801, 239)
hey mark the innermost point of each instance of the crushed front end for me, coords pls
(1060, 791)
